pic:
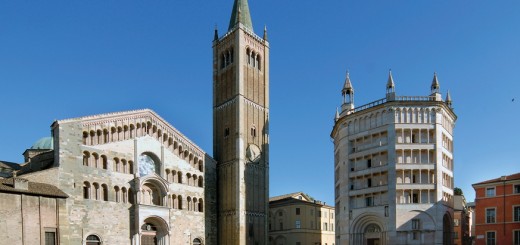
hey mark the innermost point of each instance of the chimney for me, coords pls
(21, 184)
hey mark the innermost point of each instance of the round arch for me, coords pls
(153, 191)
(154, 231)
(148, 163)
(93, 239)
(368, 229)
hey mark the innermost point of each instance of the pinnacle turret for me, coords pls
(448, 99)
(348, 94)
(240, 14)
(390, 85)
(215, 37)
(435, 84)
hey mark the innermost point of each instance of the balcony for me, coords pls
(367, 171)
(415, 166)
(415, 186)
(367, 190)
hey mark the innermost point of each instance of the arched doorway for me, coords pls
(373, 234)
(154, 231)
(447, 230)
(367, 229)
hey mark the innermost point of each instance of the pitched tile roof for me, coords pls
(34, 188)
(508, 178)
(11, 165)
(286, 196)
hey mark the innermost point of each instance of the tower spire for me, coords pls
(240, 14)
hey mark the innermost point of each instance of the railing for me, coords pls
(370, 105)
(397, 98)
(415, 98)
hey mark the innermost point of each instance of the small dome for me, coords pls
(45, 143)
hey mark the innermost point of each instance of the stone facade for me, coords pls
(394, 168)
(298, 219)
(131, 177)
(241, 134)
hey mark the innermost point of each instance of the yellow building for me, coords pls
(298, 219)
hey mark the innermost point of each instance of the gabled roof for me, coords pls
(34, 188)
(142, 113)
(294, 195)
(500, 179)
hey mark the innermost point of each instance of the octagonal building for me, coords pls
(393, 165)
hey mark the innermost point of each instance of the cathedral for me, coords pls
(132, 178)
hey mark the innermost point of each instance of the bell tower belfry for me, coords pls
(240, 130)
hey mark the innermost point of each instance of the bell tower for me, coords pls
(240, 130)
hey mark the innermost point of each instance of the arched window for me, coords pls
(222, 61)
(86, 190)
(201, 181)
(86, 157)
(125, 132)
(174, 202)
(179, 177)
(93, 240)
(131, 196)
(99, 135)
(148, 163)
(188, 199)
(85, 137)
(105, 136)
(104, 192)
(195, 205)
(258, 62)
(201, 166)
(201, 205)
(253, 131)
(179, 202)
(248, 52)
(188, 178)
(95, 193)
(132, 131)
(116, 165)
(92, 137)
(113, 134)
(117, 197)
(130, 167)
(197, 241)
(151, 195)
(168, 175)
(124, 169)
(104, 162)
(124, 195)
(119, 133)
(96, 160)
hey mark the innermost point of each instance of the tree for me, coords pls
(458, 191)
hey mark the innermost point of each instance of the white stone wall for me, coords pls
(394, 164)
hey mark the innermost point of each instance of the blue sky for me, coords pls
(62, 59)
